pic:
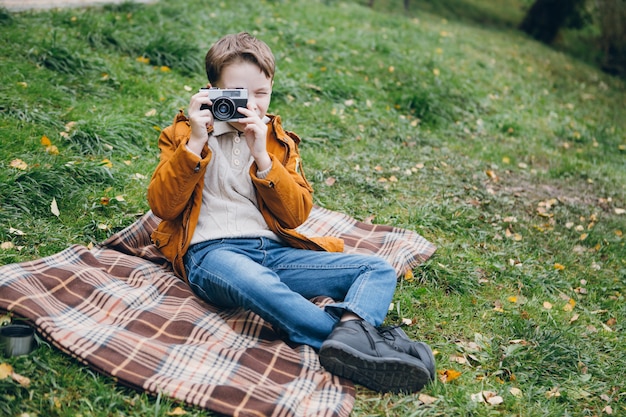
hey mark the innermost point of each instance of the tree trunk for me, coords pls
(612, 16)
(545, 18)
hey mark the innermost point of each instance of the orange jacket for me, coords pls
(175, 192)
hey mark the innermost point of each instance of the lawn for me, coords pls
(507, 154)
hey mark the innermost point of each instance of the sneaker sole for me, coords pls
(379, 374)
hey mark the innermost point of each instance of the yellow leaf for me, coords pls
(107, 163)
(547, 305)
(5, 370)
(571, 303)
(436, 72)
(448, 375)
(512, 299)
(45, 141)
(52, 150)
(143, 60)
(165, 68)
(408, 275)
(177, 412)
(559, 267)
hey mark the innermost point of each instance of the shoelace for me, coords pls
(385, 332)
(369, 336)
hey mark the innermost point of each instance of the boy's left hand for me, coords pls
(255, 132)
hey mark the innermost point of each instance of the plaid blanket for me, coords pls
(119, 309)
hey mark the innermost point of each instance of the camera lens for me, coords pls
(224, 108)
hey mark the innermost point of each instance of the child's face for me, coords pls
(247, 75)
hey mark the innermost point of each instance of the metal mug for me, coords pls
(17, 339)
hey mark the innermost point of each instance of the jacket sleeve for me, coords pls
(176, 175)
(285, 191)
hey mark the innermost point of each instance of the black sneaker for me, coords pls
(397, 339)
(355, 350)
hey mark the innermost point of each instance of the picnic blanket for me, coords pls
(119, 309)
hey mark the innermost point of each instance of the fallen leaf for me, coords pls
(448, 375)
(151, 112)
(5, 370)
(619, 210)
(427, 399)
(330, 181)
(554, 392)
(54, 208)
(571, 303)
(178, 411)
(18, 164)
(547, 305)
(608, 410)
(495, 400)
(492, 175)
(6, 245)
(408, 275)
(45, 141)
(559, 267)
(22, 380)
(458, 359)
(516, 392)
(16, 232)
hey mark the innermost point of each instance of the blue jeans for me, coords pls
(277, 281)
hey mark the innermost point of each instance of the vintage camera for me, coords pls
(226, 102)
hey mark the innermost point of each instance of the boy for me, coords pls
(231, 193)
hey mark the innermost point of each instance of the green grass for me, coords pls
(507, 154)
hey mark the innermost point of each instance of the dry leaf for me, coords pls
(54, 208)
(22, 380)
(547, 305)
(45, 141)
(427, 399)
(330, 181)
(554, 392)
(6, 245)
(151, 112)
(18, 164)
(178, 411)
(516, 392)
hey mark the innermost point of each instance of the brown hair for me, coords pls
(238, 47)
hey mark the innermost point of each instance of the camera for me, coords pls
(226, 102)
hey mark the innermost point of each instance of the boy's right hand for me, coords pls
(199, 120)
